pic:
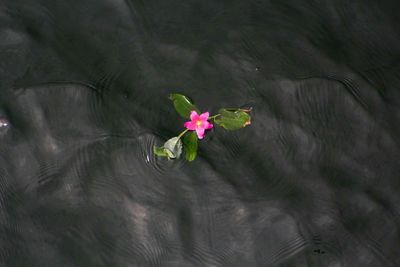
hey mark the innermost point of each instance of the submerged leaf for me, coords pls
(191, 145)
(160, 151)
(183, 105)
(173, 147)
(233, 119)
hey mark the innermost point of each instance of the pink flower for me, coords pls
(198, 123)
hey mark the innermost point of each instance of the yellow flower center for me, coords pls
(198, 123)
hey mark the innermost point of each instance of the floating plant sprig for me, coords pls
(228, 118)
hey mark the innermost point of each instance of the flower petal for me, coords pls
(200, 133)
(193, 115)
(191, 125)
(204, 116)
(208, 125)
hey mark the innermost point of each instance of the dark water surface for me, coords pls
(314, 181)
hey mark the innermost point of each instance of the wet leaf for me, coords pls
(160, 151)
(191, 145)
(183, 105)
(173, 147)
(233, 119)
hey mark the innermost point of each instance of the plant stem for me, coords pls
(213, 117)
(182, 133)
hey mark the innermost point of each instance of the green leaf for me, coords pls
(173, 147)
(160, 151)
(190, 144)
(183, 105)
(233, 119)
